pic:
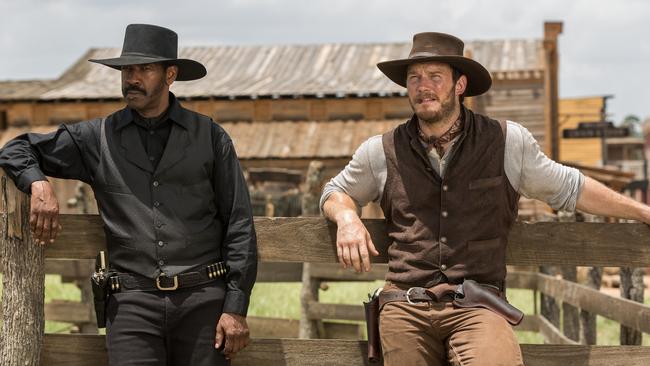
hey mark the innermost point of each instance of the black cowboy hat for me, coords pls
(439, 47)
(145, 44)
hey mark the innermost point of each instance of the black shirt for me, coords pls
(73, 152)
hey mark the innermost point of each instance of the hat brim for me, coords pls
(478, 78)
(187, 69)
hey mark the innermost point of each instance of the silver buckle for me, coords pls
(171, 288)
(408, 293)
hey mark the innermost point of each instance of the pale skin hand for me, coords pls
(44, 213)
(353, 243)
(233, 333)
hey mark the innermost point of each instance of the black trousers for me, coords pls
(165, 328)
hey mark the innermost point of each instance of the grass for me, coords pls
(282, 300)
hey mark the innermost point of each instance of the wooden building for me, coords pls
(286, 105)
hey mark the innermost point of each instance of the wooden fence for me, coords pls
(313, 240)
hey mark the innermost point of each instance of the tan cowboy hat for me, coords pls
(439, 47)
(146, 43)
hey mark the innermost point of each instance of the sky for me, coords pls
(604, 48)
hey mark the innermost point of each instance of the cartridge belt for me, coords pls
(120, 282)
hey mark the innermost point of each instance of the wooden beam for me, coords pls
(279, 272)
(551, 333)
(318, 310)
(530, 323)
(313, 240)
(626, 312)
(334, 272)
(522, 280)
(89, 350)
(69, 311)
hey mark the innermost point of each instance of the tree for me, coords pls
(633, 122)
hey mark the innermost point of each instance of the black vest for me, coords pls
(451, 228)
(162, 220)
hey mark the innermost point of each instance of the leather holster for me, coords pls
(474, 295)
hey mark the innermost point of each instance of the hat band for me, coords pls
(148, 55)
(426, 54)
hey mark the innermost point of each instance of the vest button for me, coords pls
(445, 188)
(155, 183)
(156, 204)
(443, 239)
(160, 244)
(161, 262)
(444, 214)
(443, 267)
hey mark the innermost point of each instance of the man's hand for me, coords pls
(353, 242)
(232, 333)
(44, 213)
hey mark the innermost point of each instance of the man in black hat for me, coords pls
(448, 181)
(175, 205)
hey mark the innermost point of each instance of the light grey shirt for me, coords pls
(530, 172)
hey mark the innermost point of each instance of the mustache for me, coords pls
(420, 97)
(134, 88)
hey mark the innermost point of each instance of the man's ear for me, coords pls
(461, 85)
(170, 74)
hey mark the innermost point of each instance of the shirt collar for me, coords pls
(174, 113)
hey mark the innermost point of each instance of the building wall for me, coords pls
(572, 112)
(41, 114)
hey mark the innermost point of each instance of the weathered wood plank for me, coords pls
(551, 333)
(317, 310)
(279, 272)
(69, 311)
(522, 280)
(334, 272)
(312, 240)
(626, 312)
(530, 323)
(89, 350)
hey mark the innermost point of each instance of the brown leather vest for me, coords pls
(452, 228)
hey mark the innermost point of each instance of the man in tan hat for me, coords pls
(448, 181)
(175, 207)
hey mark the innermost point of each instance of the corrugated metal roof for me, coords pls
(294, 70)
(303, 139)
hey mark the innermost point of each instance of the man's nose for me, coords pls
(133, 77)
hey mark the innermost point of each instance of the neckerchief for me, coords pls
(438, 142)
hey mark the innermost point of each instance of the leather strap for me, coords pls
(443, 292)
(121, 282)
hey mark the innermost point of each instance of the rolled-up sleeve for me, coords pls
(540, 177)
(239, 245)
(359, 179)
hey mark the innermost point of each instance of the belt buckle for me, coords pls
(171, 288)
(408, 293)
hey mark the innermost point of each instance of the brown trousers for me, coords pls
(437, 334)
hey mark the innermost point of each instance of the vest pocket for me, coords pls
(486, 182)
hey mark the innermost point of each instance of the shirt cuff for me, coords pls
(236, 302)
(27, 177)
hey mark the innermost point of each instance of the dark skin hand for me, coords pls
(44, 213)
(232, 334)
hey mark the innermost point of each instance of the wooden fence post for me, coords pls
(308, 327)
(587, 319)
(23, 261)
(631, 288)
